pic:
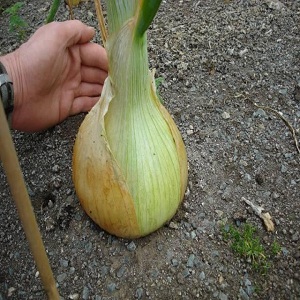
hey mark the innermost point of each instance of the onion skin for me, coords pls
(99, 182)
(129, 160)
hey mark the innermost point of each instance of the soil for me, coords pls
(218, 60)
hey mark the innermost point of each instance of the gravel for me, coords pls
(217, 58)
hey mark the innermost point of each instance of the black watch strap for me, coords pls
(6, 92)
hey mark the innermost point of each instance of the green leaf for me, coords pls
(146, 13)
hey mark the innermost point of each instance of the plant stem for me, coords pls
(53, 10)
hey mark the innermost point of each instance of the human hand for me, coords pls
(58, 72)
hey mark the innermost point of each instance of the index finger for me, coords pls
(93, 55)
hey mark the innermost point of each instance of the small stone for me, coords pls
(55, 168)
(243, 294)
(295, 237)
(50, 224)
(173, 225)
(61, 277)
(139, 293)
(10, 291)
(243, 52)
(283, 169)
(85, 293)
(225, 115)
(190, 262)
(193, 234)
(219, 213)
(111, 287)
(50, 204)
(64, 263)
(223, 296)
(202, 275)
(185, 273)
(247, 282)
(74, 296)
(189, 132)
(131, 246)
(174, 262)
(260, 113)
(275, 4)
(88, 247)
(121, 271)
(283, 91)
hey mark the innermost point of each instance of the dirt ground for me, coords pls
(219, 60)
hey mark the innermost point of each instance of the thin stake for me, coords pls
(19, 193)
(70, 5)
(101, 21)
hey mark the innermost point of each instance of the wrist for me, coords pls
(11, 65)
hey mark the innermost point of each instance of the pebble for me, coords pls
(275, 4)
(185, 273)
(88, 247)
(11, 291)
(74, 296)
(190, 262)
(111, 287)
(223, 296)
(121, 271)
(139, 293)
(85, 293)
(55, 168)
(283, 169)
(131, 246)
(173, 225)
(64, 263)
(260, 113)
(174, 262)
(295, 237)
(61, 277)
(225, 115)
(202, 275)
(243, 294)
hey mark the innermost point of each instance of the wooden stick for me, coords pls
(19, 193)
(101, 21)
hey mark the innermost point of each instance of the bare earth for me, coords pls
(218, 58)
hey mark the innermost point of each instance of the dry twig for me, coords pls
(101, 21)
(266, 217)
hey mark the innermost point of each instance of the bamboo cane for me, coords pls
(19, 193)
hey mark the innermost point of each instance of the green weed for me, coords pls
(16, 23)
(244, 242)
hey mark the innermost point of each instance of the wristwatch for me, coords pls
(6, 92)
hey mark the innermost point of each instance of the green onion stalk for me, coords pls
(129, 161)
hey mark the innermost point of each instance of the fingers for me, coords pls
(93, 75)
(66, 33)
(75, 32)
(93, 55)
(83, 104)
(88, 89)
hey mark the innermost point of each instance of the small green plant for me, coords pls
(16, 23)
(244, 242)
(275, 248)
